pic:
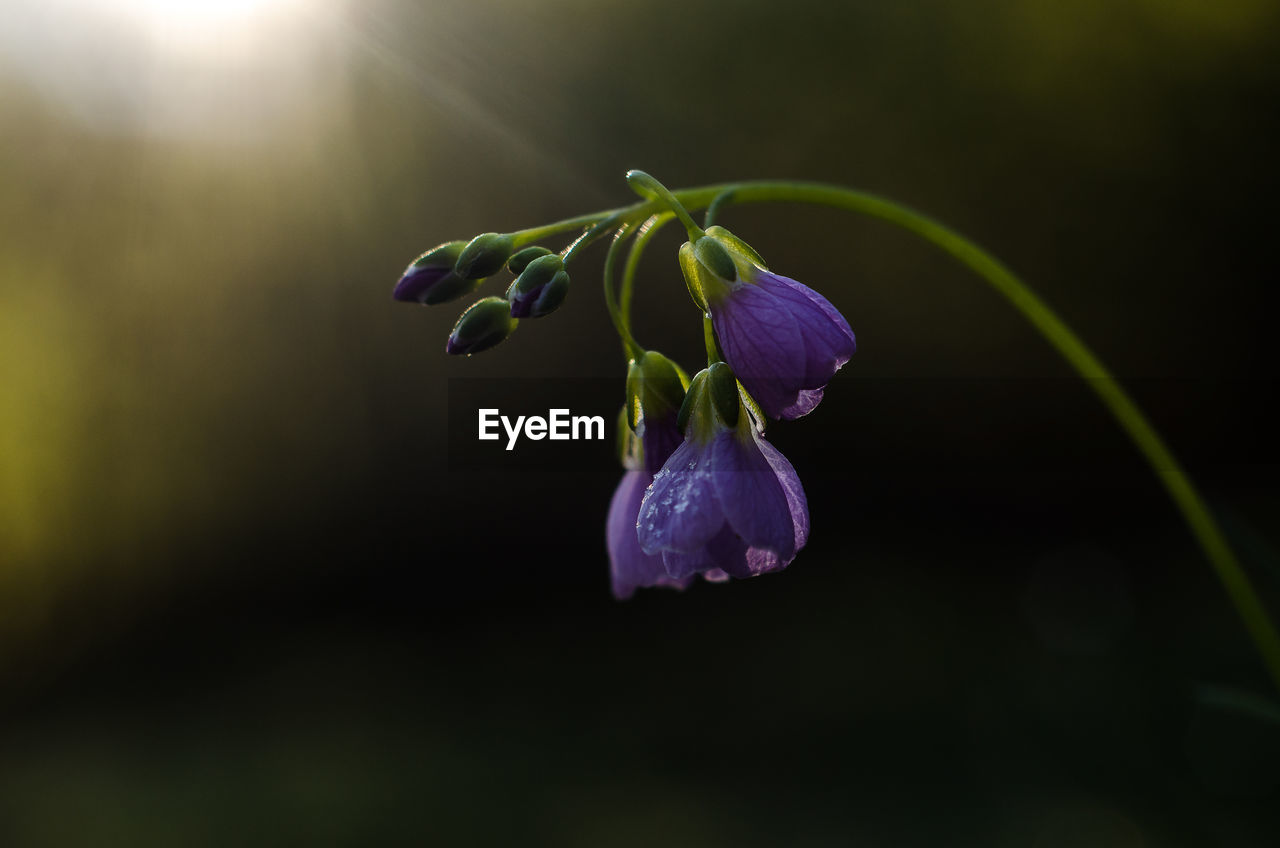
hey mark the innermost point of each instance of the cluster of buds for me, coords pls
(704, 492)
(456, 268)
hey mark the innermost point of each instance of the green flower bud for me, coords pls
(431, 279)
(540, 288)
(484, 255)
(521, 258)
(485, 323)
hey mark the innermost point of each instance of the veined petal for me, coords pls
(763, 344)
(797, 503)
(751, 496)
(680, 510)
(829, 341)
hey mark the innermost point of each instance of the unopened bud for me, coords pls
(540, 288)
(521, 258)
(484, 255)
(486, 323)
(430, 279)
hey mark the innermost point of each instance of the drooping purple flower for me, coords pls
(726, 500)
(655, 389)
(783, 339)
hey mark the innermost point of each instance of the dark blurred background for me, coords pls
(246, 599)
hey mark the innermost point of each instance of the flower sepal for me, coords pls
(655, 388)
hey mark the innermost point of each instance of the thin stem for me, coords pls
(709, 341)
(591, 234)
(1166, 467)
(721, 200)
(646, 186)
(647, 231)
(620, 321)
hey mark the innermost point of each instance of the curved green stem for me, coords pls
(717, 203)
(646, 186)
(647, 231)
(621, 322)
(1162, 461)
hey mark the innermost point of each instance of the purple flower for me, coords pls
(725, 500)
(783, 339)
(655, 388)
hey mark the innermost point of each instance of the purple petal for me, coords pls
(751, 496)
(804, 403)
(661, 437)
(737, 559)
(763, 344)
(797, 504)
(630, 567)
(681, 565)
(680, 511)
(829, 341)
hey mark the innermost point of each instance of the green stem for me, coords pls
(647, 186)
(1166, 467)
(720, 201)
(709, 342)
(647, 231)
(621, 322)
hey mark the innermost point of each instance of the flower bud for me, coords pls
(540, 288)
(485, 323)
(484, 255)
(521, 258)
(430, 279)
(655, 387)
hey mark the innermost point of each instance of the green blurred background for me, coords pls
(244, 599)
